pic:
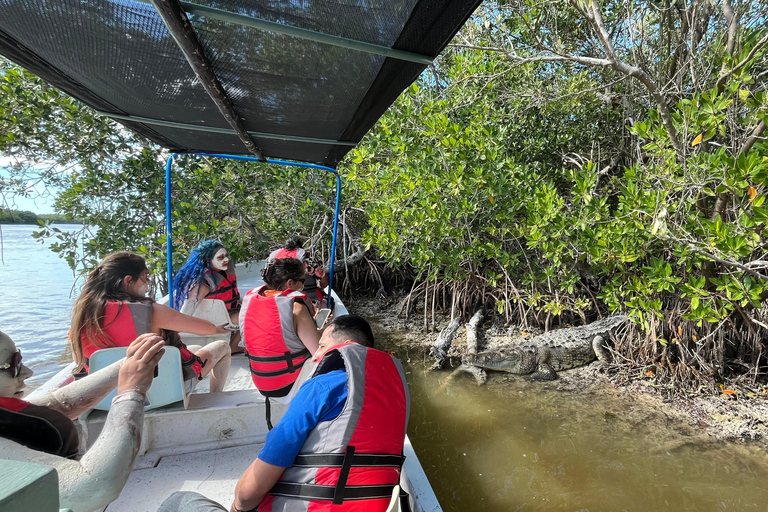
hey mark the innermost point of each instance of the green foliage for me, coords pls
(531, 179)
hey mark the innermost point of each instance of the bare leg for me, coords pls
(218, 356)
(234, 339)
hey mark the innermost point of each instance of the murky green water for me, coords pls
(514, 445)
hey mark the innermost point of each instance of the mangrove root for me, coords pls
(443, 343)
(478, 373)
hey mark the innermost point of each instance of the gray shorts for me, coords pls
(187, 501)
(190, 385)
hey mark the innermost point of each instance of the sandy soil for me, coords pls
(706, 418)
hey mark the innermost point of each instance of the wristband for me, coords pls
(129, 396)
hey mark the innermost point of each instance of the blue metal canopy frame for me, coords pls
(169, 208)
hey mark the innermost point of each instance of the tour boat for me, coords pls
(206, 447)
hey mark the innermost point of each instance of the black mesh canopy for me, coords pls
(307, 79)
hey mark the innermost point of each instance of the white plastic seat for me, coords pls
(166, 388)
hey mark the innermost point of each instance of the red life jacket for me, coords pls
(38, 428)
(223, 286)
(297, 253)
(275, 351)
(353, 461)
(123, 322)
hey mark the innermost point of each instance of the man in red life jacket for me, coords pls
(340, 441)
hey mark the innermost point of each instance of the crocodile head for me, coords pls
(505, 360)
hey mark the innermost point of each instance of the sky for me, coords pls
(36, 205)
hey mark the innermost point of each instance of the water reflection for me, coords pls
(36, 300)
(517, 445)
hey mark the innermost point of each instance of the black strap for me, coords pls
(291, 368)
(336, 460)
(278, 393)
(222, 290)
(287, 356)
(327, 492)
(268, 412)
(341, 484)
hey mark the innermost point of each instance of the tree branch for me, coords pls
(724, 75)
(724, 198)
(595, 17)
(729, 263)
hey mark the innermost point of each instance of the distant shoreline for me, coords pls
(32, 218)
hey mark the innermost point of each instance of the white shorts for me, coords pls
(190, 385)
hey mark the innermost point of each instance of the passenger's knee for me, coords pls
(179, 501)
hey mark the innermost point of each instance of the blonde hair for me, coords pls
(104, 283)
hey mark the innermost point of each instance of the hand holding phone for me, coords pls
(322, 317)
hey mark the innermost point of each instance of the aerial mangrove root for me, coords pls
(443, 343)
(473, 333)
(478, 373)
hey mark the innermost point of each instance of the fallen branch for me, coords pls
(443, 343)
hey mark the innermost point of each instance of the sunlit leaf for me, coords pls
(697, 140)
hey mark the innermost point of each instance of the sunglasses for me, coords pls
(14, 366)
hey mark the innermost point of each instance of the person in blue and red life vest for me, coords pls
(209, 273)
(278, 329)
(41, 429)
(316, 280)
(339, 445)
(113, 309)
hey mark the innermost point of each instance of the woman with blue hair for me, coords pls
(208, 274)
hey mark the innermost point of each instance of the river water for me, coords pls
(511, 445)
(38, 289)
(516, 445)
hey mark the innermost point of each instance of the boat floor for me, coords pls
(212, 473)
(201, 465)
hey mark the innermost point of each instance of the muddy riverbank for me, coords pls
(700, 418)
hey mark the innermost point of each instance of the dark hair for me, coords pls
(352, 327)
(293, 243)
(105, 282)
(277, 273)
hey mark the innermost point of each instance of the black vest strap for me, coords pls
(346, 465)
(268, 413)
(335, 460)
(287, 356)
(327, 492)
(222, 290)
(292, 368)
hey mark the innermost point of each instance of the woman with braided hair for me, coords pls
(208, 274)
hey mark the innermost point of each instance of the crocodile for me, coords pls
(548, 353)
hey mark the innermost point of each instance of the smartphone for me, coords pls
(322, 317)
